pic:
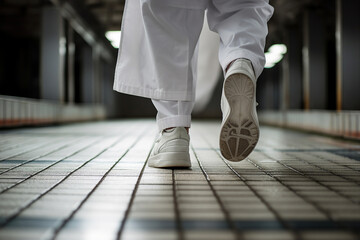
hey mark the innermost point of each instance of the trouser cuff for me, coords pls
(174, 121)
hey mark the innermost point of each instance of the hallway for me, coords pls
(90, 181)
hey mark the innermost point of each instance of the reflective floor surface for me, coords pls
(90, 181)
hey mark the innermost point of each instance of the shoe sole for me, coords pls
(167, 160)
(240, 129)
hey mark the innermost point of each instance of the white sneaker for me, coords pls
(239, 132)
(171, 149)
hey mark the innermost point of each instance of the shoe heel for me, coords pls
(240, 131)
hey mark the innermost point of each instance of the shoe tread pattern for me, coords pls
(240, 133)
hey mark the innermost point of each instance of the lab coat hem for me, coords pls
(154, 93)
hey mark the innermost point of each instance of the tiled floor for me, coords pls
(90, 181)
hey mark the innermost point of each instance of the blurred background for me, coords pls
(57, 61)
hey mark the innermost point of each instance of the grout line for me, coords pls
(230, 223)
(51, 188)
(319, 208)
(51, 165)
(315, 180)
(326, 213)
(179, 226)
(336, 163)
(43, 155)
(128, 209)
(26, 151)
(269, 207)
(66, 220)
(350, 180)
(15, 143)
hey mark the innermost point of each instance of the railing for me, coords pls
(342, 124)
(16, 111)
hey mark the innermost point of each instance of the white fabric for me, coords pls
(242, 27)
(158, 51)
(173, 113)
(208, 67)
(188, 4)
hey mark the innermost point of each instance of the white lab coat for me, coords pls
(158, 51)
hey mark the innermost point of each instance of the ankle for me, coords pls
(228, 66)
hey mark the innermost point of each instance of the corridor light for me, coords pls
(278, 49)
(274, 55)
(114, 38)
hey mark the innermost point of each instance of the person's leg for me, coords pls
(158, 46)
(242, 27)
(171, 34)
(171, 148)
(172, 29)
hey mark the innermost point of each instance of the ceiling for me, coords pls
(108, 12)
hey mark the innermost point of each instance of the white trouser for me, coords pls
(158, 52)
(173, 113)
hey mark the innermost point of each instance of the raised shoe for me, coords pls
(239, 131)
